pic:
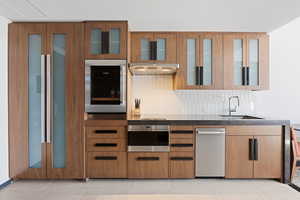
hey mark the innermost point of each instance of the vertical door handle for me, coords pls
(153, 50)
(251, 149)
(49, 99)
(43, 100)
(201, 75)
(243, 75)
(255, 151)
(247, 75)
(197, 78)
(105, 42)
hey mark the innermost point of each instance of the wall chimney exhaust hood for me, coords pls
(153, 69)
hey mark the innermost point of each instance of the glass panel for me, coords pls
(238, 60)
(59, 140)
(96, 41)
(114, 43)
(253, 62)
(34, 94)
(207, 62)
(191, 61)
(161, 49)
(145, 49)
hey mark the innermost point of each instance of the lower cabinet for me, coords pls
(107, 165)
(181, 165)
(254, 156)
(148, 165)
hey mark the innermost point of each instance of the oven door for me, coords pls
(148, 140)
(105, 86)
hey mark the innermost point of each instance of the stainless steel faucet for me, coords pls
(236, 107)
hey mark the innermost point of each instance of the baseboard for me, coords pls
(295, 187)
(6, 183)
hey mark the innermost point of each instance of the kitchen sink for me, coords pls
(239, 117)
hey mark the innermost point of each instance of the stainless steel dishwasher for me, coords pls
(210, 152)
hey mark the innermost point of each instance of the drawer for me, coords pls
(181, 165)
(107, 165)
(253, 130)
(182, 144)
(148, 165)
(182, 132)
(94, 144)
(105, 132)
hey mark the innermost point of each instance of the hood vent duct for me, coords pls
(153, 69)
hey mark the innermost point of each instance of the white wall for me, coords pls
(283, 100)
(3, 102)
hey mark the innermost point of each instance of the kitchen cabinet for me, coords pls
(46, 102)
(148, 165)
(253, 155)
(153, 47)
(106, 40)
(246, 61)
(201, 61)
(181, 164)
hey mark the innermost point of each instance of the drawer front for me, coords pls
(253, 130)
(105, 132)
(182, 132)
(182, 144)
(181, 165)
(148, 165)
(106, 144)
(107, 165)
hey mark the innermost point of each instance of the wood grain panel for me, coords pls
(107, 165)
(148, 168)
(105, 132)
(269, 163)
(238, 164)
(253, 130)
(94, 144)
(103, 123)
(180, 144)
(181, 165)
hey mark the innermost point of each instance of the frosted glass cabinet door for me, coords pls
(238, 61)
(96, 41)
(191, 61)
(253, 62)
(35, 133)
(207, 62)
(58, 105)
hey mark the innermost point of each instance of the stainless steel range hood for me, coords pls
(153, 69)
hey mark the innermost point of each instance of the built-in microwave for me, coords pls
(105, 86)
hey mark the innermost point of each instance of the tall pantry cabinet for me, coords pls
(46, 100)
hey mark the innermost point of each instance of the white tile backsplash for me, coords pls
(158, 97)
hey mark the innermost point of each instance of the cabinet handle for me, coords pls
(182, 132)
(43, 99)
(201, 75)
(147, 158)
(106, 158)
(49, 99)
(243, 76)
(255, 149)
(105, 144)
(182, 158)
(247, 76)
(105, 42)
(181, 145)
(153, 50)
(251, 149)
(105, 132)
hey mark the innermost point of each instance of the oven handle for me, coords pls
(123, 82)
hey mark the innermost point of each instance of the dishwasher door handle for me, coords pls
(211, 133)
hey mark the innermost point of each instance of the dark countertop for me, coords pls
(202, 120)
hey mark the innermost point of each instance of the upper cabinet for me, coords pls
(106, 40)
(153, 47)
(246, 61)
(201, 61)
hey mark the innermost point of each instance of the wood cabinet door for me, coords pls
(238, 163)
(246, 61)
(65, 100)
(106, 40)
(269, 157)
(27, 148)
(165, 51)
(201, 61)
(148, 165)
(182, 164)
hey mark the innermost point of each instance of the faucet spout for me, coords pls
(236, 107)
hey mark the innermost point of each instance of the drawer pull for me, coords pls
(181, 145)
(147, 158)
(105, 132)
(181, 158)
(105, 144)
(182, 132)
(106, 158)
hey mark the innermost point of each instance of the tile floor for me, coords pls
(196, 189)
(296, 180)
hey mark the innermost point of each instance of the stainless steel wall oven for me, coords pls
(105, 86)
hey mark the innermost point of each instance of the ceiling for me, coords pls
(161, 15)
